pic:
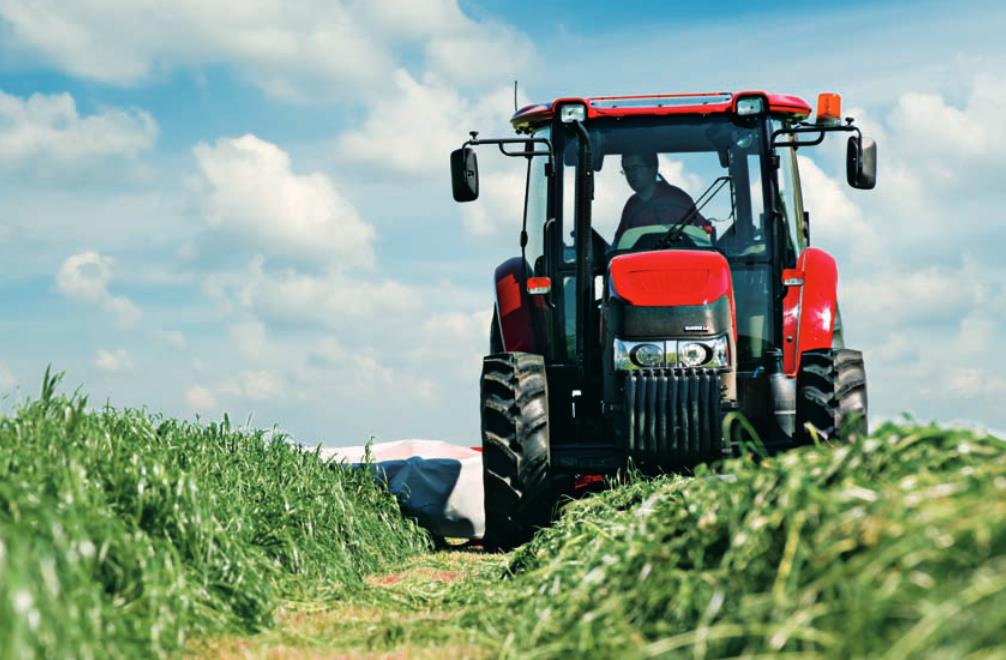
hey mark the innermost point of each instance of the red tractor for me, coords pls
(665, 281)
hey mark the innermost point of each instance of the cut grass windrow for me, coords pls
(894, 546)
(123, 533)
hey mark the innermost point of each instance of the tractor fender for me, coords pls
(513, 307)
(809, 309)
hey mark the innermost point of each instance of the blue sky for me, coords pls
(206, 210)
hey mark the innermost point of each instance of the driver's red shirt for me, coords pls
(667, 206)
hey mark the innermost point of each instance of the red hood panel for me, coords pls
(670, 277)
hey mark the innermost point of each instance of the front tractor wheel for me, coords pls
(831, 395)
(515, 454)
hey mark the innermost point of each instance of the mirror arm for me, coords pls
(528, 151)
(811, 128)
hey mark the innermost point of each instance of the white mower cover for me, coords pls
(437, 483)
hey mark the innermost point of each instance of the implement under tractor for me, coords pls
(666, 291)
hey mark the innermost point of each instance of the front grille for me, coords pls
(674, 414)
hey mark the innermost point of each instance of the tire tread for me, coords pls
(515, 445)
(831, 395)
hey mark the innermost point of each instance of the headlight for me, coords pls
(704, 353)
(647, 355)
(693, 354)
(631, 355)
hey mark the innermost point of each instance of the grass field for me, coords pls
(895, 546)
(125, 531)
(124, 534)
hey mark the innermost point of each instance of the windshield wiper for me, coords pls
(674, 233)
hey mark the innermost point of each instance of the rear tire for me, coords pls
(831, 395)
(515, 448)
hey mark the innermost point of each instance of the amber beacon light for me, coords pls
(829, 108)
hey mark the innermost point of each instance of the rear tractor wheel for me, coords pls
(831, 395)
(515, 453)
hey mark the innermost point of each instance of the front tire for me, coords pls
(831, 395)
(515, 448)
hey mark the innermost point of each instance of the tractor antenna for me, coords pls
(515, 96)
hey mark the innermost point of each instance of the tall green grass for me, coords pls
(124, 533)
(894, 546)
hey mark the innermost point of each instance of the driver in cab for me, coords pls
(654, 201)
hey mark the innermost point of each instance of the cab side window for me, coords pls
(536, 211)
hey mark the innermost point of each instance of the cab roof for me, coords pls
(779, 105)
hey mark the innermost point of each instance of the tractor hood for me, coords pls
(670, 278)
(670, 293)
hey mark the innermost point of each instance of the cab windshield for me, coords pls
(674, 182)
(679, 182)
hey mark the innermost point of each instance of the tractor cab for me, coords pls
(665, 291)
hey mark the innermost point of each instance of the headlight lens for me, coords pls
(693, 354)
(751, 105)
(570, 112)
(647, 355)
(712, 353)
(630, 355)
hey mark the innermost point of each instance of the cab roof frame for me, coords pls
(781, 106)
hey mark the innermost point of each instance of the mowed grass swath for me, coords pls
(124, 533)
(893, 546)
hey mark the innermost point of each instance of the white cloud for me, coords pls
(172, 338)
(411, 130)
(361, 381)
(484, 52)
(284, 49)
(114, 362)
(328, 299)
(250, 337)
(85, 277)
(7, 380)
(895, 296)
(836, 222)
(124, 310)
(46, 130)
(253, 197)
(942, 136)
(314, 49)
(328, 352)
(975, 383)
(455, 338)
(257, 385)
(500, 207)
(200, 399)
(978, 333)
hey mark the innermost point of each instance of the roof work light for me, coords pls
(750, 105)
(570, 112)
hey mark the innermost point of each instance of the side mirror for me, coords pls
(464, 174)
(861, 162)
